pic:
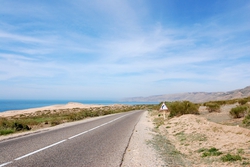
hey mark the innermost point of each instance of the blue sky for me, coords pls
(110, 49)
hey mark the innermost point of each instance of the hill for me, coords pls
(196, 97)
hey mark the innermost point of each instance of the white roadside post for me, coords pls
(164, 108)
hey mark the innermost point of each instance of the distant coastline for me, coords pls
(10, 105)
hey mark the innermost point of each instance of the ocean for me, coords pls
(6, 105)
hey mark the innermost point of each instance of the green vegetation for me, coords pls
(209, 152)
(240, 151)
(53, 118)
(10, 126)
(6, 131)
(244, 163)
(219, 102)
(239, 111)
(229, 157)
(246, 120)
(243, 101)
(179, 108)
(213, 107)
(25, 122)
(215, 152)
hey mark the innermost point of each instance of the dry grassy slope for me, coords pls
(196, 97)
(189, 133)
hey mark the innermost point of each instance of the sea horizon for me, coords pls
(15, 104)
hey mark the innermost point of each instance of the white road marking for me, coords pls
(79, 134)
(40, 150)
(6, 163)
(44, 148)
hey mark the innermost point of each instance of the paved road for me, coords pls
(101, 142)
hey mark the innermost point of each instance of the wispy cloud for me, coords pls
(119, 47)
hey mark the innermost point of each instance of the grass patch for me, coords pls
(209, 152)
(230, 158)
(244, 163)
(6, 131)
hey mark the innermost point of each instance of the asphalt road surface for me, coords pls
(96, 143)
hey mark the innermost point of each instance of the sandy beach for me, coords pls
(69, 105)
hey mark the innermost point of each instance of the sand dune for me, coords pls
(69, 105)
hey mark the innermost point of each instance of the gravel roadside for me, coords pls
(139, 153)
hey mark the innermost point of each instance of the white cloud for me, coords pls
(20, 38)
(110, 46)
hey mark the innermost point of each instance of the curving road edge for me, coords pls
(138, 152)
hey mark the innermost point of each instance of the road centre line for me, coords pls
(44, 148)
(40, 150)
(96, 127)
(5, 163)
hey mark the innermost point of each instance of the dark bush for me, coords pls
(19, 126)
(211, 152)
(229, 157)
(239, 111)
(8, 126)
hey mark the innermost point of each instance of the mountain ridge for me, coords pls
(196, 97)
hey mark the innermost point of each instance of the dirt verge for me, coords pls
(194, 136)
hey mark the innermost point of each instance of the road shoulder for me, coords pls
(139, 153)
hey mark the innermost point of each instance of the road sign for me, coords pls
(163, 107)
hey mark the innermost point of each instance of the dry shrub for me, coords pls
(239, 111)
(212, 107)
(179, 108)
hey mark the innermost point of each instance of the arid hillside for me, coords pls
(196, 97)
(207, 139)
